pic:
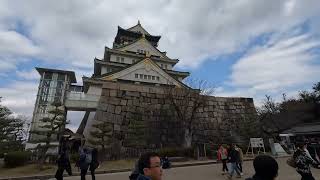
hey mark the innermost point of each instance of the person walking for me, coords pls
(84, 162)
(63, 164)
(239, 163)
(265, 167)
(303, 162)
(223, 157)
(233, 158)
(94, 163)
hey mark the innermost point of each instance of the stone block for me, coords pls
(105, 92)
(114, 101)
(111, 108)
(123, 102)
(135, 102)
(129, 102)
(154, 101)
(116, 127)
(103, 107)
(133, 93)
(117, 110)
(113, 93)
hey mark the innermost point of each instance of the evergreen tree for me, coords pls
(102, 135)
(51, 127)
(11, 131)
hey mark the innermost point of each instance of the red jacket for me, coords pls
(222, 154)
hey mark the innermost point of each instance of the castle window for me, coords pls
(145, 76)
(149, 77)
(153, 77)
(118, 59)
(141, 76)
(136, 75)
(122, 60)
(165, 66)
(158, 79)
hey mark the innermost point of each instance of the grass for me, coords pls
(33, 169)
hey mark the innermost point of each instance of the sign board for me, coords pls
(256, 142)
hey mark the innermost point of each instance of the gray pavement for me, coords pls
(207, 172)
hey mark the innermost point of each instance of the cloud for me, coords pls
(20, 97)
(28, 75)
(69, 34)
(285, 63)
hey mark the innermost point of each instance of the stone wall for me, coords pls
(120, 102)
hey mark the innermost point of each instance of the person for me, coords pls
(149, 166)
(266, 168)
(239, 163)
(166, 164)
(84, 162)
(233, 158)
(63, 164)
(94, 163)
(303, 162)
(223, 156)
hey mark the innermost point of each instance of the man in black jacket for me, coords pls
(233, 159)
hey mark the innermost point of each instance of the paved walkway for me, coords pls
(207, 172)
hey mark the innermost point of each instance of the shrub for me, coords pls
(16, 158)
(176, 152)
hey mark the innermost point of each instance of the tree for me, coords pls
(136, 136)
(277, 117)
(11, 130)
(52, 126)
(186, 102)
(102, 135)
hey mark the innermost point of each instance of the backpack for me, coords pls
(88, 158)
(291, 162)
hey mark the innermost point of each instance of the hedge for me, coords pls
(16, 158)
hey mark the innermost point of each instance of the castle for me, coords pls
(133, 77)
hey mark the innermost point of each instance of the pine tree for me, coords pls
(52, 127)
(102, 136)
(11, 130)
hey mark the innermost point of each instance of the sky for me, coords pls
(246, 48)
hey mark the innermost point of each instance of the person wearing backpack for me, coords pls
(84, 162)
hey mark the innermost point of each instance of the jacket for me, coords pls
(240, 154)
(233, 156)
(303, 161)
(222, 154)
(143, 177)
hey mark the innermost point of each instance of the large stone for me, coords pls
(117, 110)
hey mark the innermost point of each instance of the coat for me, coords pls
(222, 154)
(303, 161)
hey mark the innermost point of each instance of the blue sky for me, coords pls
(246, 48)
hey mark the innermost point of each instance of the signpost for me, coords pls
(256, 143)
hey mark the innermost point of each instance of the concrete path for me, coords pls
(207, 172)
